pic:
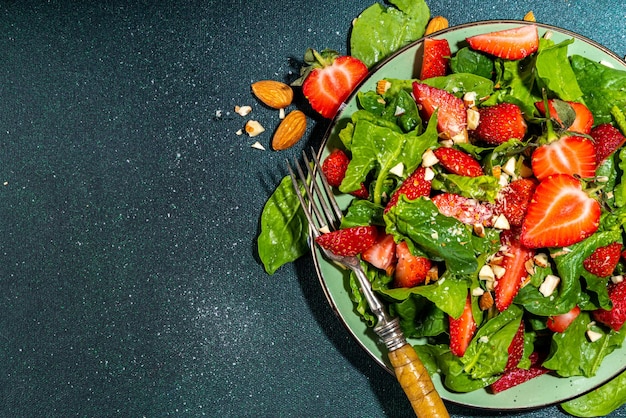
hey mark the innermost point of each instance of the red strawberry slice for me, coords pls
(334, 168)
(518, 376)
(411, 270)
(382, 254)
(436, 57)
(607, 139)
(603, 260)
(499, 123)
(462, 330)
(574, 155)
(615, 317)
(560, 214)
(413, 187)
(516, 348)
(329, 79)
(509, 44)
(559, 323)
(458, 162)
(513, 200)
(582, 123)
(464, 209)
(350, 241)
(514, 263)
(452, 114)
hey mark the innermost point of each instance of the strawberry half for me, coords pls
(574, 155)
(464, 209)
(328, 79)
(560, 214)
(514, 262)
(458, 162)
(509, 44)
(518, 376)
(413, 187)
(582, 122)
(516, 348)
(603, 260)
(499, 123)
(451, 115)
(559, 323)
(615, 317)
(350, 241)
(436, 57)
(382, 254)
(513, 200)
(462, 330)
(607, 139)
(411, 270)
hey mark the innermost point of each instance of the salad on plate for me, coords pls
(486, 198)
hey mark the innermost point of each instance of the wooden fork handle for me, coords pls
(416, 383)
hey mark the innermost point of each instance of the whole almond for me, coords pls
(436, 24)
(290, 130)
(273, 93)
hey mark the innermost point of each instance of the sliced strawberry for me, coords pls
(509, 44)
(582, 123)
(499, 123)
(560, 214)
(462, 330)
(603, 260)
(350, 241)
(413, 187)
(329, 79)
(514, 259)
(574, 155)
(411, 270)
(518, 376)
(334, 168)
(458, 162)
(516, 348)
(382, 254)
(464, 209)
(615, 317)
(436, 57)
(513, 200)
(452, 114)
(559, 323)
(607, 139)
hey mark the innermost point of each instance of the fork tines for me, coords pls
(322, 210)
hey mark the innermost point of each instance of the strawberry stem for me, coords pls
(550, 133)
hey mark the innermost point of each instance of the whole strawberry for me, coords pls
(334, 168)
(499, 123)
(603, 260)
(615, 317)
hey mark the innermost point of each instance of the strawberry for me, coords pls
(560, 214)
(458, 162)
(464, 209)
(435, 59)
(327, 79)
(615, 317)
(462, 330)
(413, 187)
(603, 260)
(349, 241)
(607, 139)
(514, 263)
(499, 123)
(559, 323)
(518, 376)
(382, 254)
(574, 155)
(451, 114)
(411, 270)
(508, 44)
(516, 348)
(583, 120)
(513, 200)
(334, 168)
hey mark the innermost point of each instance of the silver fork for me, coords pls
(324, 215)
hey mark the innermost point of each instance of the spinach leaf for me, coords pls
(362, 212)
(379, 31)
(484, 188)
(284, 228)
(601, 401)
(555, 72)
(459, 84)
(517, 84)
(470, 61)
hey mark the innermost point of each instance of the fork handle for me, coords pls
(416, 383)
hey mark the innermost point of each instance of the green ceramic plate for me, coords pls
(541, 391)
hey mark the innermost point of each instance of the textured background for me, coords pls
(129, 280)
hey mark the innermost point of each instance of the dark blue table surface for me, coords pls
(129, 278)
